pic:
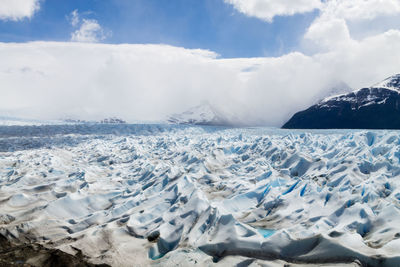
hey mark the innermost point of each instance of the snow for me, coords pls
(391, 83)
(374, 94)
(203, 114)
(168, 195)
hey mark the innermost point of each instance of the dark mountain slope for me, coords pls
(377, 107)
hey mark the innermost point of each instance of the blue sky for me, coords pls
(209, 24)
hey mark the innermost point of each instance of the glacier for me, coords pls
(176, 195)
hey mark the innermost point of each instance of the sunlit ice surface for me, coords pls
(170, 195)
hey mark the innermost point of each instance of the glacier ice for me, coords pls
(162, 194)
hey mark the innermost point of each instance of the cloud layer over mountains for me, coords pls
(148, 82)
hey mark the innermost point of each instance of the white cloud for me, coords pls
(268, 9)
(148, 82)
(329, 34)
(332, 27)
(74, 18)
(89, 30)
(360, 9)
(338, 9)
(96, 80)
(18, 9)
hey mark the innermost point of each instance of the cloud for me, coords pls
(87, 80)
(268, 9)
(74, 18)
(333, 27)
(360, 9)
(148, 82)
(329, 34)
(338, 9)
(18, 9)
(89, 30)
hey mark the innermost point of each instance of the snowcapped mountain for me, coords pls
(391, 83)
(376, 107)
(203, 114)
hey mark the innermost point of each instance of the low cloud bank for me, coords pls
(54, 80)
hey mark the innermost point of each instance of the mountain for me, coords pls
(203, 114)
(113, 120)
(376, 107)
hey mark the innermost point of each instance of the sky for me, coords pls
(259, 61)
(205, 24)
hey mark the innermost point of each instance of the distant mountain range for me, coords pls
(111, 120)
(376, 107)
(204, 114)
(207, 114)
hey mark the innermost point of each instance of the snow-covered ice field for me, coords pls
(179, 195)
